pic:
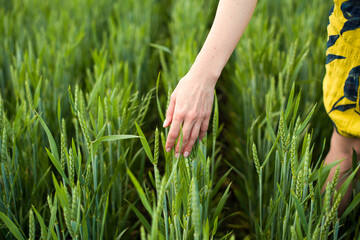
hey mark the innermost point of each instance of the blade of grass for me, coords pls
(44, 231)
(111, 138)
(52, 143)
(145, 143)
(57, 165)
(300, 211)
(52, 220)
(140, 191)
(11, 226)
(141, 217)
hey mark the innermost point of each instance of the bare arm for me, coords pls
(231, 19)
(192, 99)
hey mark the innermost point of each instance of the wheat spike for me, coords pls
(293, 156)
(156, 147)
(31, 225)
(256, 158)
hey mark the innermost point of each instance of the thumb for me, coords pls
(170, 112)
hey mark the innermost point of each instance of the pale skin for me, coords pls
(191, 101)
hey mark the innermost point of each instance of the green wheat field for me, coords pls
(84, 86)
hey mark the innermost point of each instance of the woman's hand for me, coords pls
(191, 102)
(190, 106)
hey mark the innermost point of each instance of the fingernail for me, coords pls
(168, 149)
(165, 123)
(186, 154)
(177, 155)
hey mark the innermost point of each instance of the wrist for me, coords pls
(205, 72)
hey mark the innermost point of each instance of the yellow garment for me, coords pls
(341, 82)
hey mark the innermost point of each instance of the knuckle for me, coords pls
(172, 97)
(192, 115)
(172, 135)
(168, 113)
(185, 138)
(204, 127)
(168, 110)
(180, 115)
(203, 116)
(193, 137)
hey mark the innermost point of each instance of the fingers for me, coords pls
(191, 130)
(194, 114)
(188, 125)
(193, 136)
(174, 131)
(170, 112)
(204, 127)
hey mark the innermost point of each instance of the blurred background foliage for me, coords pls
(86, 69)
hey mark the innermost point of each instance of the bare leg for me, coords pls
(341, 148)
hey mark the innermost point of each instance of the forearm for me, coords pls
(232, 17)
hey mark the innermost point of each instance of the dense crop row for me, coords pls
(81, 108)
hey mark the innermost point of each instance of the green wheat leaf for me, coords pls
(140, 191)
(52, 143)
(11, 226)
(145, 143)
